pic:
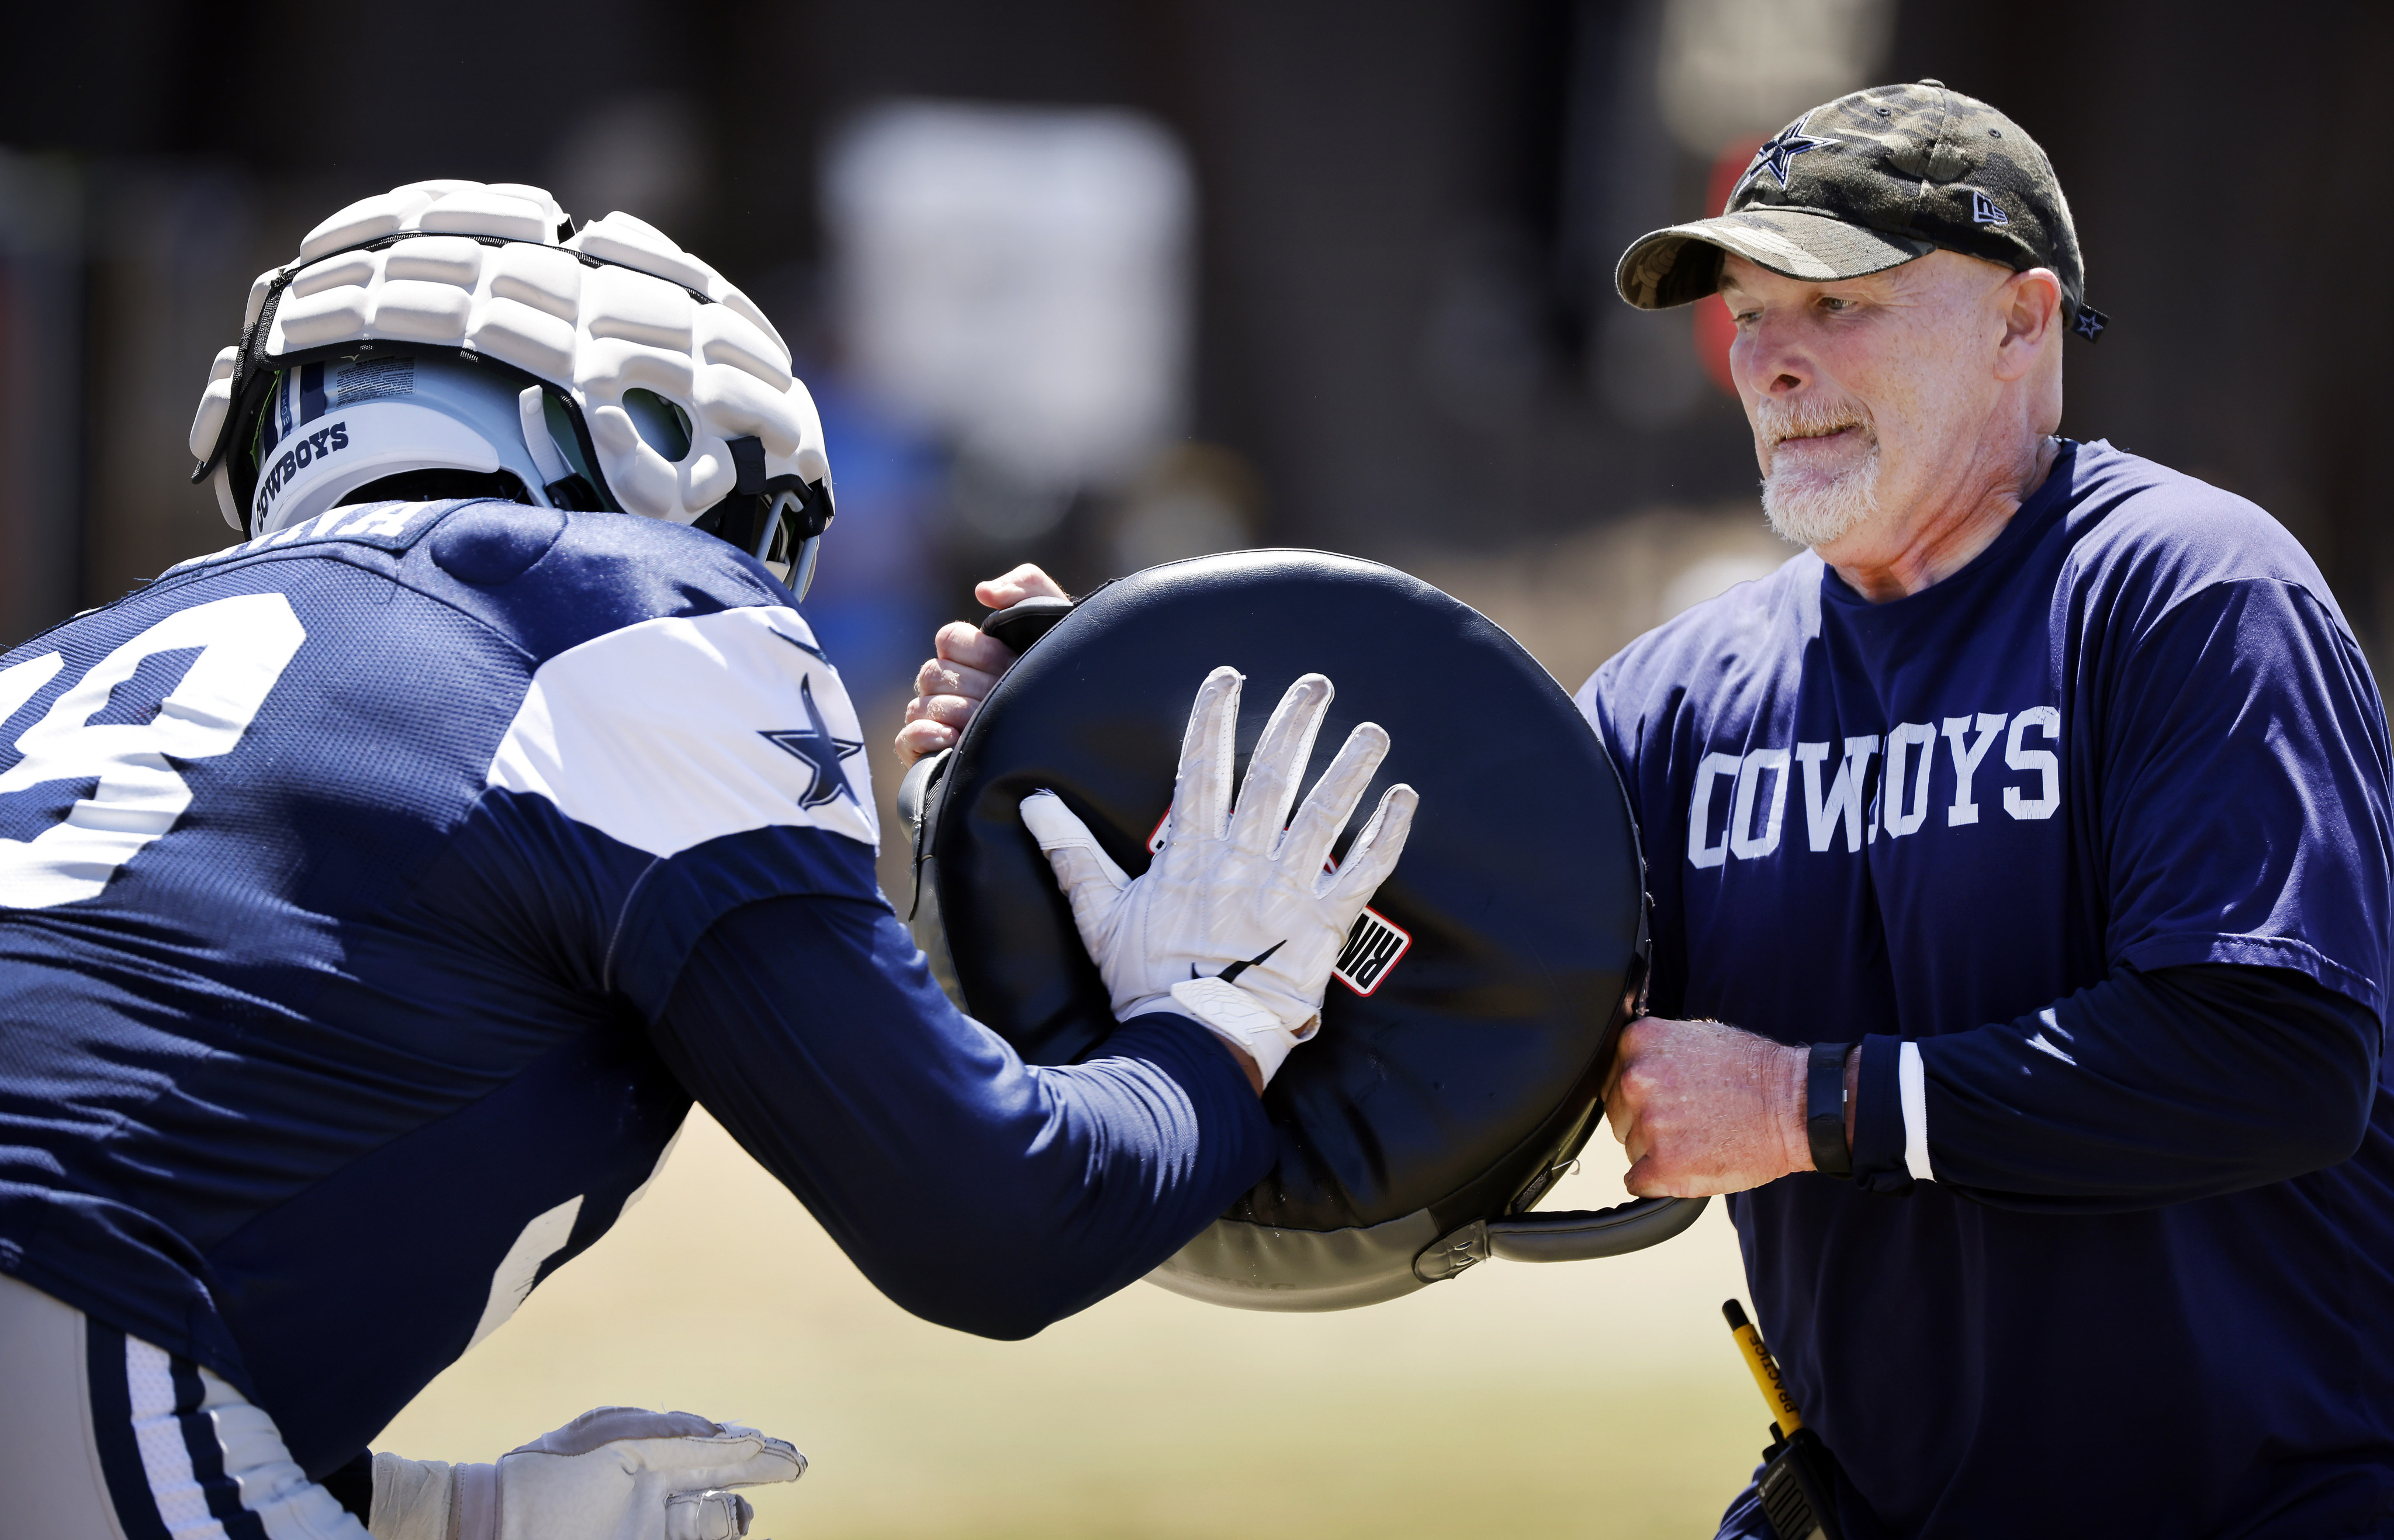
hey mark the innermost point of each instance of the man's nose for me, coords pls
(1770, 359)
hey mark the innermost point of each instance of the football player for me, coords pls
(376, 896)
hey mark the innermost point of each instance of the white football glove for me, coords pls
(616, 1473)
(1235, 922)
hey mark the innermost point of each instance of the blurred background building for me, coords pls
(1103, 285)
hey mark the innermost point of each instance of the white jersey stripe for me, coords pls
(158, 1433)
(287, 1505)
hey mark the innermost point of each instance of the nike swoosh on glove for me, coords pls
(1235, 923)
(615, 1473)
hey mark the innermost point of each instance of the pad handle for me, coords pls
(1023, 623)
(1576, 1236)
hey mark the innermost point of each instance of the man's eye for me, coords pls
(1835, 306)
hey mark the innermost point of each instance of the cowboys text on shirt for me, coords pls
(1869, 784)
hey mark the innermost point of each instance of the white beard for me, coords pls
(1810, 510)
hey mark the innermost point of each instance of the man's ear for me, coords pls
(2029, 304)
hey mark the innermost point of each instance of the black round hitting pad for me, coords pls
(1469, 1076)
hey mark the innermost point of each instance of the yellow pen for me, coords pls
(1766, 1369)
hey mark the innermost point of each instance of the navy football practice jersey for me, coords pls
(346, 879)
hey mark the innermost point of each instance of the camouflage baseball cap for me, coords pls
(1871, 181)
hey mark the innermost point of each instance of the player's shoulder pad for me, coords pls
(547, 579)
(679, 730)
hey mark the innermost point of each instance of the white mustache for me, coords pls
(1776, 424)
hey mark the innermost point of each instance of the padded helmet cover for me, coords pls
(1469, 1076)
(490, 270)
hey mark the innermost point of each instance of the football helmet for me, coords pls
(467, 340)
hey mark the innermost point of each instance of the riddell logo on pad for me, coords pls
(1373, 948)
(299, 453)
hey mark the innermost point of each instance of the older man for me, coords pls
(2055, 783)
(2030, 832)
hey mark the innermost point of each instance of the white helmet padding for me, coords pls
(614, 309)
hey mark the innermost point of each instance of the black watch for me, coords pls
(1824, 1110)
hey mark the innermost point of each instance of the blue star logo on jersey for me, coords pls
(822, 753)
(1774, 156)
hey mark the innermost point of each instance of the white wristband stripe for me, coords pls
(1912, 1082)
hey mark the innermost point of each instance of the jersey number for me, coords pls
(244, 644)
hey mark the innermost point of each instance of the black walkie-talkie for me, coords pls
(1798, 1486)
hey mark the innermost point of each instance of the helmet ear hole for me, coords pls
(663, 424)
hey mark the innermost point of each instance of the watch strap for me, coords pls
(1824, 1110)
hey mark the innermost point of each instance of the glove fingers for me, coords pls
(1277, 766)
(1374, 854)
(1332, 801)
(1083, 869)
(1201, 792)
(775, 1462)
(1090, 888)
(603, 1424)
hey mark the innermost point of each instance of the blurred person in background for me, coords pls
(2019, 855)
(377, 895)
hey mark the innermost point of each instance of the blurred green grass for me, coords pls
(1588, 1399)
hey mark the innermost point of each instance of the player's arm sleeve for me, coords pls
(2241, 827)
(976, 1191)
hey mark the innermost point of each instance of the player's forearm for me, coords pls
(975, 1191)
(2147, 1089)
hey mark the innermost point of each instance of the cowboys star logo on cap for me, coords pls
(1790, 142)
(2090, 322)
(1874, 205)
